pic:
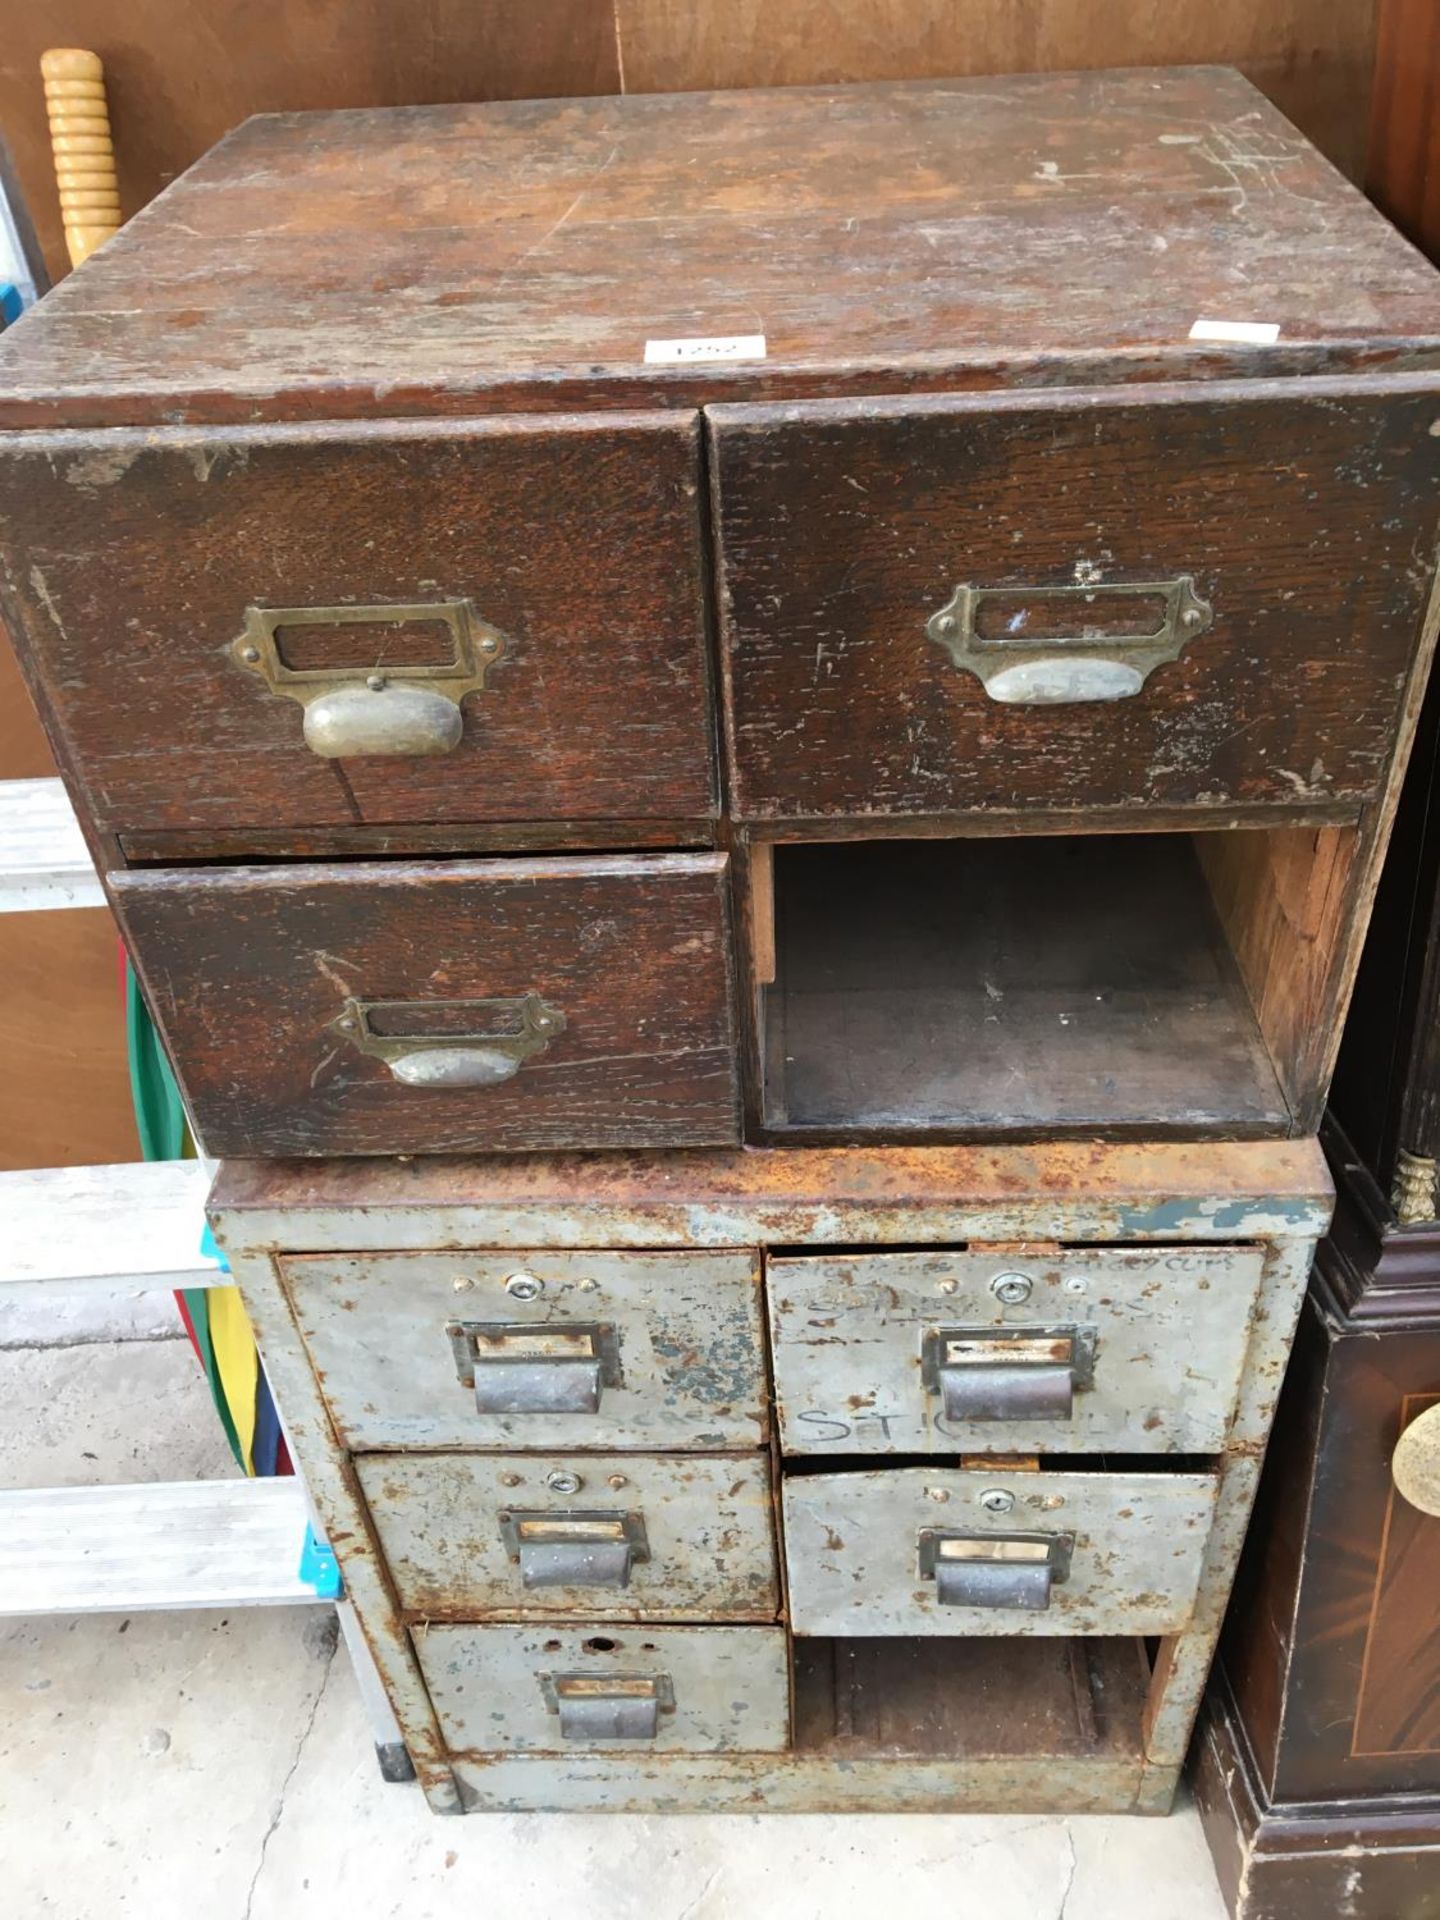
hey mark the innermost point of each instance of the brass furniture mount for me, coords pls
(371, 709)
(503, 1036)
(1056, 646)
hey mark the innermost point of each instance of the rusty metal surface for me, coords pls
(730, 1686)
(708, 1525)
(853, 1548)
(329, 1477)
(1273, 1193)
(1068, 1191)
(686, 1332)
(848, 1333)
(795, 1783)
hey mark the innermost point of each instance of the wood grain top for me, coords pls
(927, 236)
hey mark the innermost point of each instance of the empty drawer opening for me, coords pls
(1084, 982)
(1070, 1698)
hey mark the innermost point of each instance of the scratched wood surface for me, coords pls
(179, 77)
(973, 986)
(246, 969)
(885, 237)
(130, 561)
(1306, 522)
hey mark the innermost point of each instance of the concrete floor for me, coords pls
(184, 1765)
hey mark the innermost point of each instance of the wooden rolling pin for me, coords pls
(80, 142)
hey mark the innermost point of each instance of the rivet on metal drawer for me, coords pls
(575, 1549)
(535, 1369)
(611, 1706)
(995, 1569)
(1030, 1373)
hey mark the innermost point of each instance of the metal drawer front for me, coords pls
(548, 1350)
(936, 1551)
(629, 1536)
(1139, 1350)
(582, 1689)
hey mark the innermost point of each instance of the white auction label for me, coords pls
(1249, 333)
(723, 346)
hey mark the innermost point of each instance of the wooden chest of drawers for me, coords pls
(844, 614)
(818, 638)
(531, 1394)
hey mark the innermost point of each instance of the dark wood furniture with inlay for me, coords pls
(1318, 1769)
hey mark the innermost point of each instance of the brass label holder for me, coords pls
(1048, 646)
(371, 710)
(501, 1037)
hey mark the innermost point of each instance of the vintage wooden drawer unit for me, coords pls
(829, 614)
(529, 1394)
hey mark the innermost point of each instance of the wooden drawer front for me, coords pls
(249, 971)
(133, 560)
(870, 1553)
(645, 1536)
(667, 1345)
(1304, 521)
(572, 1690)
(1138, 1351)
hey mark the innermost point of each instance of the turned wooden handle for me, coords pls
(80, 143)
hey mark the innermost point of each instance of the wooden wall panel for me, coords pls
(183, 72)
(24, 752)
(1312, 57)
(1404, 169)
(65, 1091)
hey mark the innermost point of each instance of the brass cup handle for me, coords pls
(1064, 645)
(372, 710)
(1415, 1463)
(504, 1035)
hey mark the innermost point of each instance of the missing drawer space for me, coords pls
(970, 1699)
(984, 986)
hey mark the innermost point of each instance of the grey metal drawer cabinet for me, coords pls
(1135, 1349)
(939, 1551)
(574, 1689)
(631, 1594)
(536, 1349)
(634, 1536)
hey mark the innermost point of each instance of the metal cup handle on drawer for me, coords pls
(404, 711)
(1049, 646)
(503, 1035)
(575, 1549)
(612, 1706)
(1015, 1570)
(535, 1368)
(1028, 1373)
